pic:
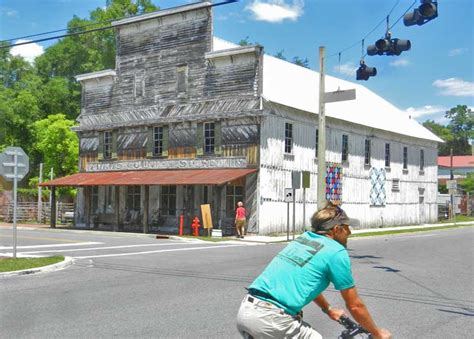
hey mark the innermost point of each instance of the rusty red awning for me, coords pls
(152, 177)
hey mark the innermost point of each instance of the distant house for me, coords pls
(461, 166)
(187, 119)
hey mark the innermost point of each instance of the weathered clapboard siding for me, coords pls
(402, 207)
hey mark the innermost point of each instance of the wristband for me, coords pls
(326, 310)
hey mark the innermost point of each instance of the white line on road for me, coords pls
(157, 251)
(108, 247)
(53, 245)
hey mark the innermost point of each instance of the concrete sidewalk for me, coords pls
(248, 238)
(283, 238)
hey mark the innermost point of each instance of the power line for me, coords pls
(377, 26)
(225, 2)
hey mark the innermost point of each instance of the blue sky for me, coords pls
(435, 75)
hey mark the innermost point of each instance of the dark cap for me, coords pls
(341, 218)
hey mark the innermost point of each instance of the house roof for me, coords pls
(295, 86)
(458, 161)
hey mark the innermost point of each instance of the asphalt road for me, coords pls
(134, 286)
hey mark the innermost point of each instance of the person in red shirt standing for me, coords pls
(240, 220)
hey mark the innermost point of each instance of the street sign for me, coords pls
(288, 194)
(306, 179)
(296, 179)
(349, 94)
(7, 163)
(451, 184)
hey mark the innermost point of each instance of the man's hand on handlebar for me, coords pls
(335, 313)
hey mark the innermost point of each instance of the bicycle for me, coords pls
(352, 329)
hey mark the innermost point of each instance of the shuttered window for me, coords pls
(345, 148)
(405, 158)
(107, 144)
(367, 152)
(387, 155)
(158, 141)
(288, 138)
(317, 142)
(422, 160)
(209, 138)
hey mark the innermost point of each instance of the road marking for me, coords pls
(39, 238)
(108, 247)
(52, 245)
(157, 251)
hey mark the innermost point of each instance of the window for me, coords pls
(288, 138)
(367, 152)
(234, 194)
(158, 141)
(95, 199)
(405, 158)
(182, 79)
(387, 155)
(168, 200)
(422, 160)
(109, 199)
(209, 138)
(107, 144)
(345, 148)
(317, 142)
(133, 197)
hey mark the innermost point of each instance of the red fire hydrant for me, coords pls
(195, 226)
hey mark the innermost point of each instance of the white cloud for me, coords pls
(276, 10)
(418, 112)
(455, 87)
(8, 12)
(400, 62)
(29, 51)
(457, 51)
(348, 68)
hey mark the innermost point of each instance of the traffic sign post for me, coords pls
(14, 165)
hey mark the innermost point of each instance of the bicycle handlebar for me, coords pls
(352, 328)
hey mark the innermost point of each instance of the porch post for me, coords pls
(117, 208)
(145, 208)
(53, 207)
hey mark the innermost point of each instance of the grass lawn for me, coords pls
(17, 264)
(459, 218)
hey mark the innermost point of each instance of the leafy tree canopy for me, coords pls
(57, 143)
(458, 132)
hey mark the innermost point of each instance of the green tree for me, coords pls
(300, 62)
(462, 127)
(57, 144)
(457, 133)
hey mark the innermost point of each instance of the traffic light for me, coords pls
(427, 11)
(389, 46)
(364, 72)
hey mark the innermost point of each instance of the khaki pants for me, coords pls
(240, 226)
(261, 319)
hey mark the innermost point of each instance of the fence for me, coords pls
(28, 211)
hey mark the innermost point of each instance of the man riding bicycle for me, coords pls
(298, 275)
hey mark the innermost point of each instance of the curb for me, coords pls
(50, 268)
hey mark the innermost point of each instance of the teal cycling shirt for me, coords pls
(302, 271)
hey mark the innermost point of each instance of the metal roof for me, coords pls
(458, 161)
(155, 177)
(295, 86)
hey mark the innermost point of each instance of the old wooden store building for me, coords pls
(187, 119)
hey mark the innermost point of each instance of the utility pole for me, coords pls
(322, 134)
(451, 191)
